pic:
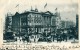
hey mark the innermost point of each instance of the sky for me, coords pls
(67, 8)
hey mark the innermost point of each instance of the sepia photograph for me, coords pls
(40, 21)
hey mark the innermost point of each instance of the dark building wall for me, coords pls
(19, 23)
(15, 23)
(77, 26)
(77, 19)
(23, 23)
(6, 23)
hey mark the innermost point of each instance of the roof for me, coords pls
(47, 13)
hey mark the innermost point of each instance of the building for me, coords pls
(77, 26)
(67, 24)
(8, 34)
(77, 20)
(34, 22)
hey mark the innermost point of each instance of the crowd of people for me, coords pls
(44, 37)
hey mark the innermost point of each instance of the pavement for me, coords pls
(63, 45)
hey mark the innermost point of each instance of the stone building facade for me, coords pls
(34, 22)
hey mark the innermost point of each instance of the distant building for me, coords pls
(77, 21)
(63, 24)
(67, 24)
(58, 20)
(77, 26)
(8, 23)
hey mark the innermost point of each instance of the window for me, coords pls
(39, 29)
(24, 23)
